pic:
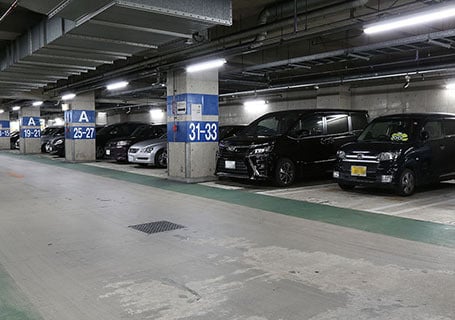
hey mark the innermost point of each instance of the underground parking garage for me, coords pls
(225, 159)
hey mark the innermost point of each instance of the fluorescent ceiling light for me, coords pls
(68, 96)
(16, 108)
(254, 103)
(2, 111)
(450, 86)
(37, 103)
(117, 85)
(156, 113)
(212, 64)
(411, 20)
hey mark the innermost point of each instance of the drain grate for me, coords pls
(158, 226)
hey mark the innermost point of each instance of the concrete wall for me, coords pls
(156, 116)
(378, 101)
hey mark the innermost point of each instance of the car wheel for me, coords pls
(346, 186)
(284, 172)
(161, 158)
(99, 152)
(407, 183)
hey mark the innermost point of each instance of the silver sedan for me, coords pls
(149, 152)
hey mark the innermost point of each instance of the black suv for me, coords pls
(401, 152)
(280, 145)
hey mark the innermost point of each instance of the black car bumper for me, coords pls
(253, 167)
(117, 153)
(384, 175)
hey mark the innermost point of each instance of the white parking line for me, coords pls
(221, 186)
(294, 190)
(433, 204)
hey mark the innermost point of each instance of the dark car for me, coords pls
(117, 149)
(401, 152)
(226, 131)
(14, 139)
(56, 145)
(113, 131)
(48, 134)
(281, 145)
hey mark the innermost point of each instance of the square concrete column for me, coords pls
(192, 121)
(30, 140)
(340, 100)
(4, 131)
(80, 145)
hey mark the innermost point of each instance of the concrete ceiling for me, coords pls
(272, 46)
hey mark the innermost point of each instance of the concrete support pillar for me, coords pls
(4, 131)
(30, 140)
(340, 100)
(192, 122)
(80, 145)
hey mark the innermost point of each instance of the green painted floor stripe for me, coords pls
(399, 227)
(13, 303)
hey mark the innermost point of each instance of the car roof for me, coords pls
(421, 115)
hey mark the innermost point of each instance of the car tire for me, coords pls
(99, 152)
(161, 158)
(406, 183)
(284, 172)
(346, 186)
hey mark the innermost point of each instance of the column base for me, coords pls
(193, 180)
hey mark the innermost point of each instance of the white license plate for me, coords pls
(108, 152)
(229, 164)
(358, 171)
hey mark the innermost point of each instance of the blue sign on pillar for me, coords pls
(4, 128)
(80, 124)
(195, 118)
(30, 128)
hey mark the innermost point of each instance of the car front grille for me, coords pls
(240, 167)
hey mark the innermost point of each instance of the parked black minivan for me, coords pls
(280, 145)
(401, 152)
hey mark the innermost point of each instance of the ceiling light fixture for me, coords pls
(212, 64)
(411, 20)
(16, 108)
(117, 85)
(68, 96)
(2, 111)
(254, 103)
(450, 86)
(37, 103)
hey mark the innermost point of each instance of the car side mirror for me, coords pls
(424, 135)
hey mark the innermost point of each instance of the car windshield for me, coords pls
(142, 131)
(271, 125)
(394, 130)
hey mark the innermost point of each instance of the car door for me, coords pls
(307, 133)
(437, 145)
(338, 134)
(449, 132)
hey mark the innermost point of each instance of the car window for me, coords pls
(395, 130)
(359, 121)
(434, 129)
(337, 123)
(271, 124)
(307, 126)
(449, 127)
(142, 131)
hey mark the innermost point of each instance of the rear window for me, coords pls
(359, 121)
(449, 127)
(337, 124)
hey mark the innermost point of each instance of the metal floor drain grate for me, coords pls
(158, 226)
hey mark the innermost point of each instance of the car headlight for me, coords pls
(59, 141)
(264, 148)
(341, 154)
(148, 149)
(122, 143)
(388, 156)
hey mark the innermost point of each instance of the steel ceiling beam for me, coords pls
(106, 40)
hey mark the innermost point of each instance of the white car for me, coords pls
(149, 152)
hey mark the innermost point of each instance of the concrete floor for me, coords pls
(66, 252)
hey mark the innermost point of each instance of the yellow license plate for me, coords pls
(359, 171)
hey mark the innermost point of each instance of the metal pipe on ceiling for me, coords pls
(9, 10)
